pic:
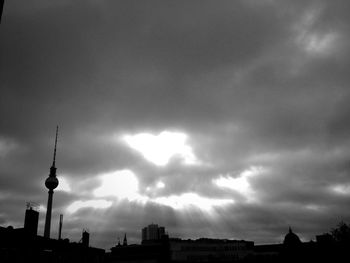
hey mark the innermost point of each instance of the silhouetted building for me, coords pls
(325, 239)
(85, 238)
(161, 232)
(291, 239)
(209, 250)
(152, 232)
(31, 220)
(267, 253)
(125, 241)
(290, 250)
(16, 245)
(158, 247)
(154, 248)
(150, 252)
(51, 183)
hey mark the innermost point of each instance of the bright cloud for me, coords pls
(121, 184)
(159, 149)
(319, 44)
(314, 207)
(341, 189)
(160, 184)
(63, 185)
(124, 185)
(187, 200)
(156, 187)
(96, 204)
(241, 183)
(311, 41)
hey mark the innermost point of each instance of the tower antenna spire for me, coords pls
(54, 152)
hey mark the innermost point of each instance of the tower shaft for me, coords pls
(48, 215)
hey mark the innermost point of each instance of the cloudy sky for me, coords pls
(225, 119)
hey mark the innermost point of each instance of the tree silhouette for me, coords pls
(341, 233)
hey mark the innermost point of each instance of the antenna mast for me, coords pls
(54, 153)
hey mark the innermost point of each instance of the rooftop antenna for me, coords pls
(32, 206)
(54, 152)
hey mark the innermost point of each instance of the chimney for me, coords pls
(60, 228)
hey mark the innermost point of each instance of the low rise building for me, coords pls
(209, 250)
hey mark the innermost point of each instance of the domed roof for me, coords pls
(291, 239)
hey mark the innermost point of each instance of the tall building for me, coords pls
(152, 232)
(31, 220)
(85, 238)
(51, 183)
(161, 232)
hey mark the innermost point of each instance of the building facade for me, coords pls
(209, 250)
(152, 232)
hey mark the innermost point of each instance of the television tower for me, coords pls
(51, 183)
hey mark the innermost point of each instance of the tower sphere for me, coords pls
(51, 183)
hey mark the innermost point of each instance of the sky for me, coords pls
(220, 119)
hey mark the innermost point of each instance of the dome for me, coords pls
(51, 182)
(291, 239)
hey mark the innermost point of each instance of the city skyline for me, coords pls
(219, 119)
